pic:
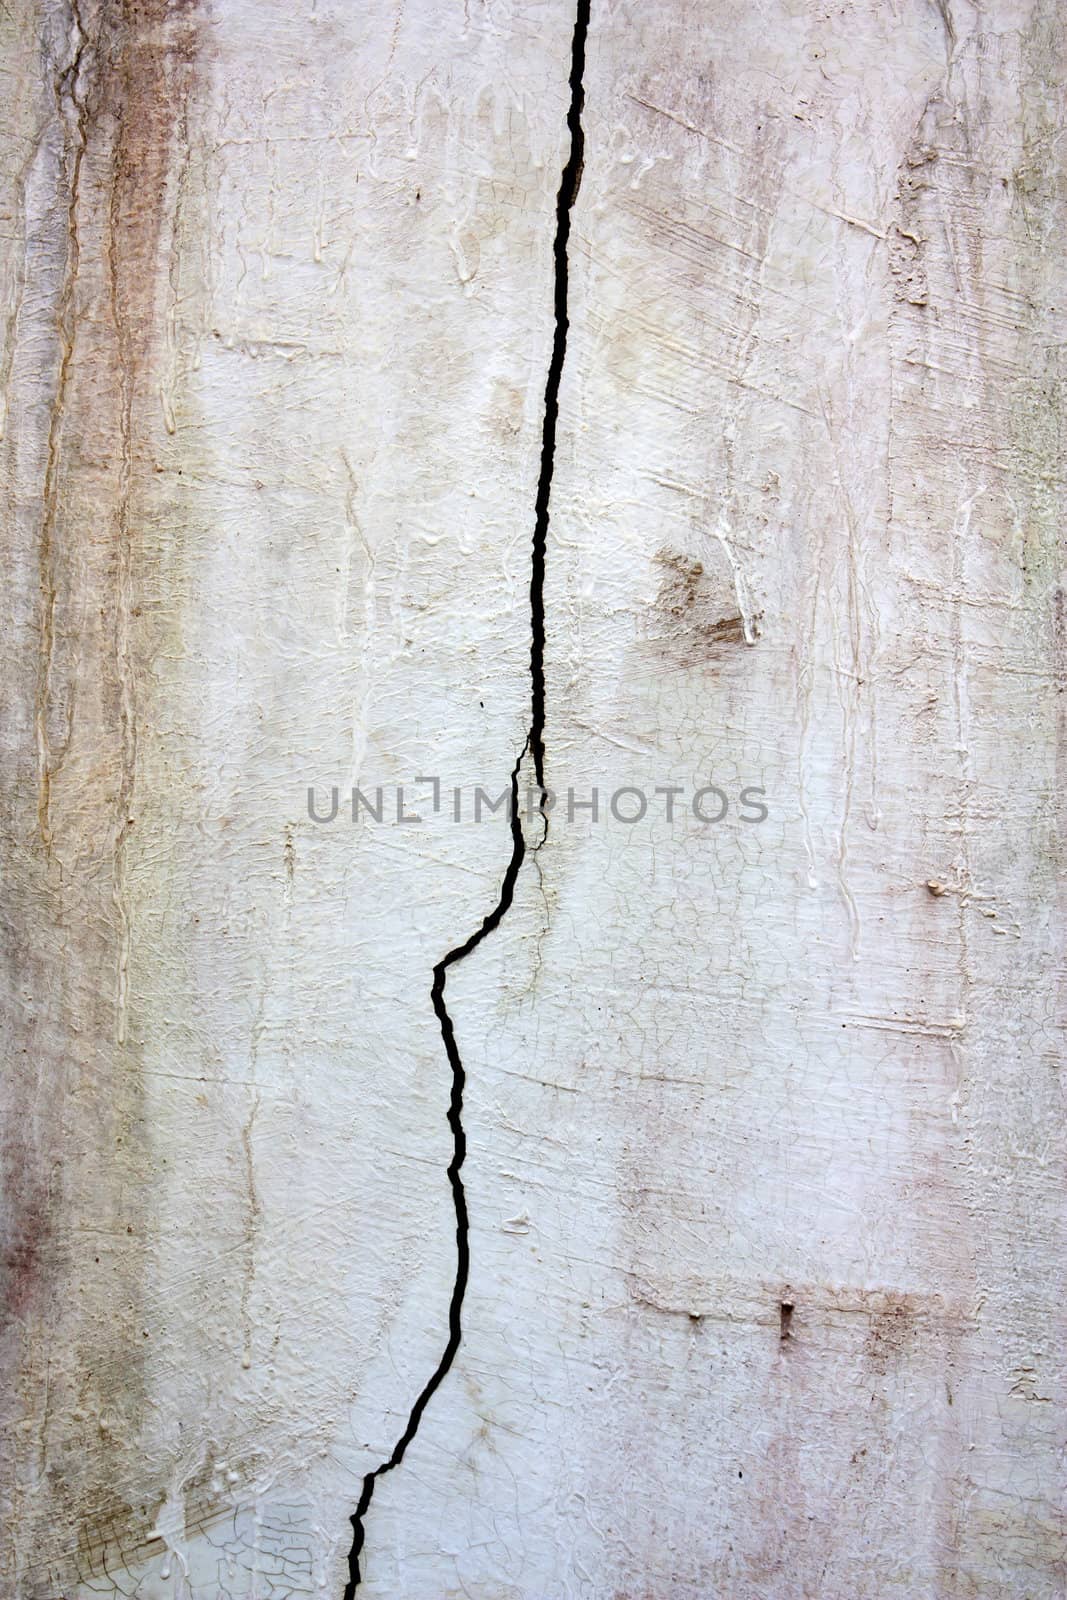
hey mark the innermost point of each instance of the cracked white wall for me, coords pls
(277, 303)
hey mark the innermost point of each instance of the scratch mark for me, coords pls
(736, 149)
(749, 620)
(254, 1212)
(534, 745)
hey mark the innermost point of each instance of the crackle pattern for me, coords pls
(761, 1236)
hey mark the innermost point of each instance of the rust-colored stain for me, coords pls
(86, 389)
(695, 617)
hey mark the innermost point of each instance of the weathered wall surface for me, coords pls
(764, 1119)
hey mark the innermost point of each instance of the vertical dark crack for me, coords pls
(535, 745)
(568, 193)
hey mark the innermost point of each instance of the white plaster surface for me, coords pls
(277, 299)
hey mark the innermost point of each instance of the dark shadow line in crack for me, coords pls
(570, 180)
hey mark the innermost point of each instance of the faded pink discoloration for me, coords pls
(76, 1175)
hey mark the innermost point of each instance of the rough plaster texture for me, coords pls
(764, 1121)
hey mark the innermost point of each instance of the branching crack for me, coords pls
(534, 746)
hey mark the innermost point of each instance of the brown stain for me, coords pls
(891, 1334)
(839, 1364)
(694, 617)
(844, 1378)
(77, 1171)
(116, 1533)
(507, 411)
(22, 1253)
